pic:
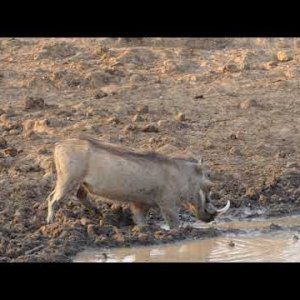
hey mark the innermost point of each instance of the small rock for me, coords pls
(250, 192)
(232, 68)
(105, 257)
(283, 56)
(142, 237)
(89, 112)
(28, 125)
(136, 78)
(295, 238)
(17, 213)
(113, 120)
(274, 198)
(121, 138)
(248, 104)
(180, 117)
(118, 236)
(3, 143)
(85, 221)
(275, 227)
(271, 64)
(280, 154)
(34, 103)
(291, 165)
(199, 97)
(119, 109)
(14, 132)
(116, 207)
(233, 136)
(167, 149)
(193, 78)
(152, 140)
(5, 259)
(12, 125)
(136, 229)
(137, 118)
(235, 151)
(30, 134)
(162, 123)
(143, 110)
(150, 128)
(100, 94)
(129, 128)
(158, 234)
(91, 230)
(36, 205)
(11, 151)
(157, 80)
(231, 244)
(262, 199)
(43, 150)
(4, 119)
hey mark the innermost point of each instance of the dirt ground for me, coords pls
(233, 101)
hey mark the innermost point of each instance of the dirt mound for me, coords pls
(138, 57)
(57, 51)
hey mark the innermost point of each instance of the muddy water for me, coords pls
(251, 246)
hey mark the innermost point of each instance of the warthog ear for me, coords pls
(200, 160)
(199, 168)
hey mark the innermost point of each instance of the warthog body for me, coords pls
(142, 179)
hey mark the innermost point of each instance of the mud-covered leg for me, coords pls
(60, 191)
(44, 204)
(53, 198)
(138, 210)
(82, 196)
(170, 214)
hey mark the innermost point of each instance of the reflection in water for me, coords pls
(275, 247)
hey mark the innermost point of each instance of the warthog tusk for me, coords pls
(224, 209)
(202, 197)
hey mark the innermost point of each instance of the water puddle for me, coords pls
(280, 246)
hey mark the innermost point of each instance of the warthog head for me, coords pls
(199, 203)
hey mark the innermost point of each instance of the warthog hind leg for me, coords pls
(170, 215)
(138, 210)
(82, 195)
(60, 191)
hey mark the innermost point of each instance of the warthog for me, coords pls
(143, 179)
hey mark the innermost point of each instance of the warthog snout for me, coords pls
(208, 212)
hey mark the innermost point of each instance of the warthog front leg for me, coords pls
(138, 210)
(82, 196)
(170, 214)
